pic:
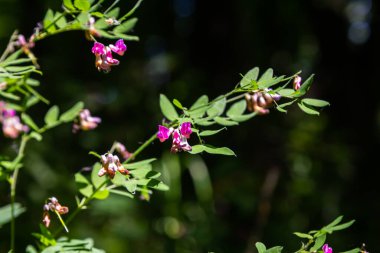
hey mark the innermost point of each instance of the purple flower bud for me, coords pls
(186, 129)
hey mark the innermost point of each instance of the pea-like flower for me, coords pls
(111, 164)
(12, 126)
(327, 249)
(260, 101)
(53, 206)
(122, 150)
(85, 121)
(103, 55)
(179, 136)
(297, 83)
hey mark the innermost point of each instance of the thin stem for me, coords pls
(112, 5)
(131, 11)
(7, 49)
(142, 147)
(13, 183)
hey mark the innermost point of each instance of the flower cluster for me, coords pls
(111, 164)
(12, 126)
(54, 206)
(179, 136)
(103, 54)
(327, 249)
(85, 121)
(259, 101)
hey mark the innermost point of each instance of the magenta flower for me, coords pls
(98, 49)
(327, 249)
(111, 164)
(186, 129)
(119, 47)
(179, 136)
(109, 59)
(163, 133)
(12, 126)
(85, 121)
(297, 83)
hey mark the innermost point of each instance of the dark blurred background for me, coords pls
(293, 172)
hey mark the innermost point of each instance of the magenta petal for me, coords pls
(98, 48)
(327, 249)
(119, 47)
(186, 129)
(163, 133)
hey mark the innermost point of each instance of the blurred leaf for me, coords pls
(286, 92)
(342, 226)
(32, 101)
(268, 75)
(167, 108)
(68, 4)
(271, 81)
(276, 249)
(119, 179)
(260, 247)
(114, 13)
(153, 174)
(242, 118)
(125, 26)
(199, 108)
(131, 185)
(196, 149)
(211, 132)
(48, 21)
(178, 104)
(249, 76)
(139, 164)
(51, 116)
(205, 122)
(61, 20)
(218, 151)
(84, 185)
(335, 222)
(101, 24)
(356, 250)
(9, 95)
(97, 14)
(225, 121)
(217, 108)
(302, 235)
(318, 243)
(72, 113)
(6, 212)
(127, 37)
(122, 193)
(305, 86)
(28, 120)
(95, 179)
(307, 109)
(142, 171)
(315, 102)
(157, 185)
(83, 5)
(102, 194)
(237, 108)
(36, 136)
(30, 249)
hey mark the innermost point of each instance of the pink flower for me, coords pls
(119, 47)
(53, 206)
(86, 121)
(12, 126)
(163, 133)
(327, 249)
(186, 129)
(111, 164)
(109, 59)
(297, 83)
(179, 142)
(98, 49)
(121, 149)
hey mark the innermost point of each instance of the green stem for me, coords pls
(7, 49)
(13, 183)
(110, 8)
(141, 148)
(131, 11)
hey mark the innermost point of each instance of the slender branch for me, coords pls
(8, 48)
(141, 148)
(131, 11)
(112, 5)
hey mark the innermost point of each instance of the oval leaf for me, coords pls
(260, 247)
(218, 151)
(237, 108)
(211, 132)
(83, 5)
(250, 76)
(28, 120)
(225, 121)
(307, 109)
(167, 108)
(51, 116)
(125, 26)
(199, 108)
(72, 113)
(315, 102)
(217, 108)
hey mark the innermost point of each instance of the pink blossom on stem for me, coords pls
(119, 47)
(186, 129)
(111, 164)
(163, 133)
(327, 249)
(297, 83)
(109, 58)
(86, 121)
(98, 48)
(12, 126)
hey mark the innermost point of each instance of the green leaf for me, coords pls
(177, 103)
(199, 108)
(286, 92)
(250, 76)
(126, 37)
(61, 22)
(281, 107)
(237, 108)
(153, 174)
(131, 185)
(225, 121)
(9, 95)
(302, 235)
(119, 179)
(260, 247)
(95, 179)
(139, 164)
(268, 75)
(196, 149)
(167, 108)
(36, 136)
(6, 212)
(83, 185)
(122, 193)
(218, 151)
(318, 243)
(217, 108)
(51, 116)
(114, 13)
(271, 81)
(125, 26)
(305, 86)
(68, 4)
(72, 113)
(157, 185)
(307, 110)
(28, 120)
(242, 118)
(342, 226)
(276, 249)
(315, 102)
(335, 222)
(83, 5)
(356, 250)
(48, 21)
(141, 172)
(211, 132)
(32, 101)
(102, 194)
(204, 122)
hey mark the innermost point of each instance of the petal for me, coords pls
(186, 129)
(163, 133)
(98, 48)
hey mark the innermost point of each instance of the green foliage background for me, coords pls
(293, 172)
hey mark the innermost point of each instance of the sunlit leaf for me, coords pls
(142, 171)
(276, 249)
(196, 149)
(131, 185)
(177, 103)
(72, 113)
(102, 194)
(122, 193)
(260, 247)
(244, 117)
(83, 5)
(29, 121)
(84, 185)
(356, 250)
(95, 179)
(268, 75)
(225, 121)
(9, 95)
(157, 185)
(307, 110)
(211, 132)
(217, 108)
(139, 164)
(126, 26)
(114, 13)
(249, 76)
(315, 102)
(286, 92)
(6, 212)
(51, 116)
(237, 108)
(36, 136)
(303, 235)
(48, 21)
(318, 243)
(218, 151)
(68, 4)
(167, 108)
(199, 108)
